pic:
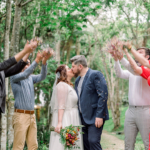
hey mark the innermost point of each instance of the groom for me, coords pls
(92, 92)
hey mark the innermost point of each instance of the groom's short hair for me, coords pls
(79, 59)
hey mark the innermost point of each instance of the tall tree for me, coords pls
(6, 48)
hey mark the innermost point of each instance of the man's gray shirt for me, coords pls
(79, 90)
(23, 86)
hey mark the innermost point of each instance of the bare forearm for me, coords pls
(133, 64)
(44, 62)
(60, 115)
(26, 57)
(140, 58)
(20, 55)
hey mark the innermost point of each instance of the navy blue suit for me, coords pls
(93, 101)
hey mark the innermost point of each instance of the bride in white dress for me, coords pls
(64, 107)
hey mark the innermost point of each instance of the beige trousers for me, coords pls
(25, 129)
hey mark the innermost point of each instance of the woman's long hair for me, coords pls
(63, 75)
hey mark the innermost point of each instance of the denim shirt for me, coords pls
(23, 86)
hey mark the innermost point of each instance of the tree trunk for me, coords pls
(9, 123)
(37, 25)
(4, 131)
(113, 103)
(14, 45)
(89, 56)
(117, 104)
(78, 46)
(6, 47)
(57, 48)
(68, 48)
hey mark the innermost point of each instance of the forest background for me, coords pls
(70, 27)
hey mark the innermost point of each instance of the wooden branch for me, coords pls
(25, 3)
(129, 22)
(4, 15)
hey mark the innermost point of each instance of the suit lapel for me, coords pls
(85, 79)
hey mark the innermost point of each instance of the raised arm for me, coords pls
(142, 60)
(15, 69)
(29, 47)
(135, 68)
(25, 74)
(120, 73)
(41, 76)
(124, 74)
(7, 63)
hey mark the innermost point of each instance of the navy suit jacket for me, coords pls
(93, 97)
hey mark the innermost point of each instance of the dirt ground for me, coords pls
(110, 142)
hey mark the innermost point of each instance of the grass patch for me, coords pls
(109, 126)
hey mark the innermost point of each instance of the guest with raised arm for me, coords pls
(137, 54)
(11, 67)
(24, 122)
(140, 68)
(137, 115)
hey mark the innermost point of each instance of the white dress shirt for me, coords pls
(139, 90)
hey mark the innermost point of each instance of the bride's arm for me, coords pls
(60, 116)
(61, 98)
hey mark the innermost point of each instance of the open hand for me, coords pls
(39, 57)
(47, 54)
(119, 55)
(30, 46)
(113, 54)
(98, 122)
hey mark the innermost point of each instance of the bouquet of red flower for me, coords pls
(69, 136)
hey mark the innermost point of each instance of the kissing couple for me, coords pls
(85, 104)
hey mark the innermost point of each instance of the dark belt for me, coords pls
(24, 111)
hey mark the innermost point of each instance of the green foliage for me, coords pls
(46, 85)
(43, 136)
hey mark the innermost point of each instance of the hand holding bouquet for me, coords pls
(115, 48)
(114, 45)
(69, 136)
(127, 45)
(38, 40)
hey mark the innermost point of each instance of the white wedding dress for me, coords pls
(65, 98)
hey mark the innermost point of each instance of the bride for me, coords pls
(64, 107)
